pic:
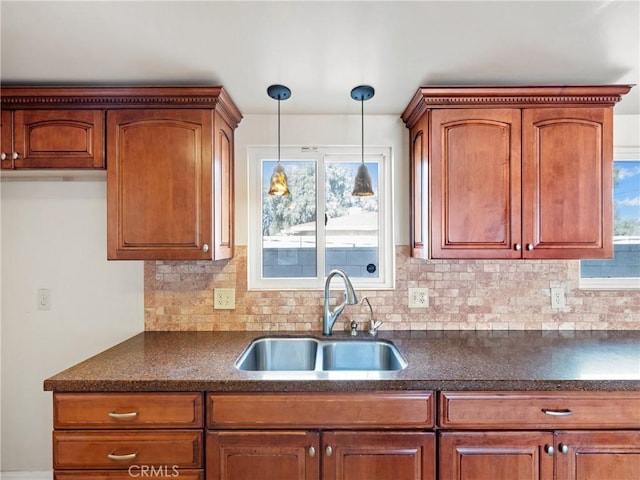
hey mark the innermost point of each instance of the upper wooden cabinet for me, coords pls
(512, 172)
(159, 184)
(52, 139)
(168, 153)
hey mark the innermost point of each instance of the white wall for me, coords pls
(54, 236)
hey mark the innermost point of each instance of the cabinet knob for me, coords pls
(3, 156)
(312, 452)
(517, 247)
(205, 248)
(529, 246)
(15, 155)
(328, 450)
(549, 450)
(563, 449)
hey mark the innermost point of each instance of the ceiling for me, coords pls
(322, 49)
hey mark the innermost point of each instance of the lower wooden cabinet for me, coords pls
(594, 455)
(539, 436)
(495, 456)
(573, 455)
(379, 455)
(116, 436)
(240, 455)
(92, 449)
(130, 474)
(347, 436)
(328, 436)
(314, 455)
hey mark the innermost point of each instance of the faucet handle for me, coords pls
(374, 326)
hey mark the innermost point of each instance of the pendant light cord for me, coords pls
(278, 130)
(362, 126)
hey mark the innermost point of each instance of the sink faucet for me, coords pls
(329, 317)
(373, 325)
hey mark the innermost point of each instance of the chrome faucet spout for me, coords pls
(373, 325)
(329, 317)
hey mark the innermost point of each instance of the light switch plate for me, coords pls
(44, 299)
(224, 298)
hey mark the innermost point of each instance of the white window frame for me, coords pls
(613, 283)
(386, 248)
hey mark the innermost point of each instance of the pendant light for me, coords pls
(278, 185)
(363, 186)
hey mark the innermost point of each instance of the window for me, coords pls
(295, 241)
(623, 271)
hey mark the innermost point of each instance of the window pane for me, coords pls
(351, 222)
(289, 222)
(626, 227)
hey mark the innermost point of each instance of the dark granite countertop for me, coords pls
(438, 360)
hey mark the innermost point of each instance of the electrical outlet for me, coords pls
(418, 297)
(557, 298)
(224, 298)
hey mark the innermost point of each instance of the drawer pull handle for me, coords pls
(557, 413)
(123, 416)
(128, 456)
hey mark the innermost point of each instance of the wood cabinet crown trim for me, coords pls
(511, 96)
(29, 97)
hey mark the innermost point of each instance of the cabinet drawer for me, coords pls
(515, 410)
(321, 410)
(130, 410)
(121, 450)
(136, 471)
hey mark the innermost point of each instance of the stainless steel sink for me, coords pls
(279, 354)
(362, 355)
(308, 354)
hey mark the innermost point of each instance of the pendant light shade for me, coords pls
(363, 186)
(278, 184)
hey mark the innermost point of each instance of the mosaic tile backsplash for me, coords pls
(463, 295)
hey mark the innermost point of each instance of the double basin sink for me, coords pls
(309, 354)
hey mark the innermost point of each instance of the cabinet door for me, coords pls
(567, 182)
(495, 456)
(378, 455)
(419, 188)
(247, 455)
(159, 184)
(598, 455)
(475, 183)
(223, 191)
(58, 138)
(6, 139)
